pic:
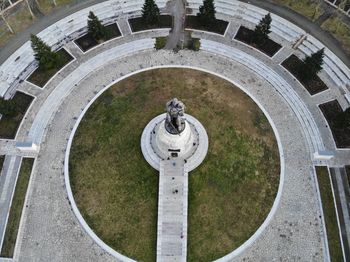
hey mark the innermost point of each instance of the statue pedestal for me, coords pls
(191, 145)
(167, 145)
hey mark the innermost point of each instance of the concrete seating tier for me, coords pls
(333, 66)
(305, 118)
(253, 15)
(64, 88)
(21, 63)
(287, 31)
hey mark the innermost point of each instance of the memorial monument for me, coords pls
(174, 143)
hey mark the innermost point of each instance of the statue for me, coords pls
(175, 120)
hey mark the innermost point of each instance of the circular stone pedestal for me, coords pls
(158, 144)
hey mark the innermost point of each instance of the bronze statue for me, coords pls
(175, 120)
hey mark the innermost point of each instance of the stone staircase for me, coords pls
(172, 211)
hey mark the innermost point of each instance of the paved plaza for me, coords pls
(294, 229)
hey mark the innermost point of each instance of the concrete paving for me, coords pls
(172, 211)
(177, 36)
(63, 237)
(295, 231)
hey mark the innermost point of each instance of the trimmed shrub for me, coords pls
(160, 43)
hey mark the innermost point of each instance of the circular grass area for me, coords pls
(230, 193)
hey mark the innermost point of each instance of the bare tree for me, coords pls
(3, 6)
(30, 9)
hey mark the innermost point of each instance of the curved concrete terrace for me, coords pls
(297, 219)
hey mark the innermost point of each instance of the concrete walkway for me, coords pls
(177, 35)
(61, 238)
(172, 211)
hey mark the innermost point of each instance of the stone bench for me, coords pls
(64, 88)
(304, 116)
(333, 66)
(287, 31)
(21, 63)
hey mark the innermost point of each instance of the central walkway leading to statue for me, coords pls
(172, 211)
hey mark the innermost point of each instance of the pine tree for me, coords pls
(314, 62)
(150, 12)
(95, 27)
(7, 108)
(262, 30)
(43, 54)
(311, 65)
(207, 12)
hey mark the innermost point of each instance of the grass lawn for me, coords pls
(18, 21)
(230, 194)
(314, 85)
(40, 77)
(2, 159)
(219, 27)
(329, 214)
(138, 24)
(339, 30)
(347, 169)
(269, 48)
(16, 208)
(87, 42)
(47, 6)
(330, 111)
(309, 8)
(9, 125)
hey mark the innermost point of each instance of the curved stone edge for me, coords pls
(146, 147)
(63, 89)
(309, 126)
(193, 162)
(202, 150)
(227, 257)
(75, 209)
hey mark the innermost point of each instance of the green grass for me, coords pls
(47, 6)
(329, 214)
(309, 8)
(16, 208)
(20, 18)
(347, 169)
(2, 159)
(9, 125)
(230, 194)
(160, 42)
(18, 21)
(339, 30)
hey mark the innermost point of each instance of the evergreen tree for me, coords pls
(311, 65)
(150, 12)
(207, 12)
(7, 108)
(95, 28)
(314, 62)
(43, 54)
(262, 30)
